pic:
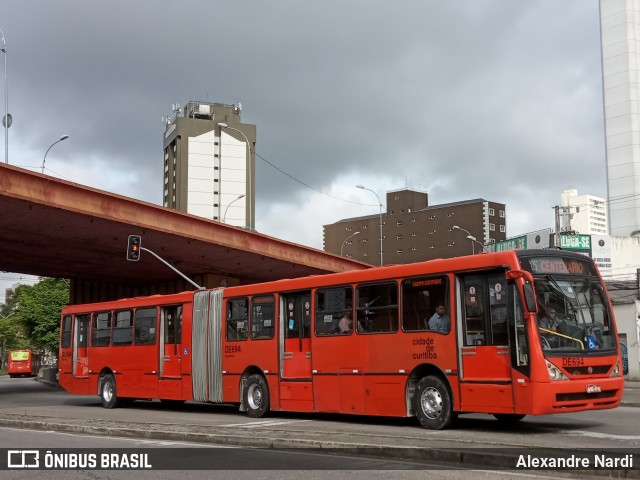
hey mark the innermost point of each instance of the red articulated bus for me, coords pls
(431, 340)
(24, 363)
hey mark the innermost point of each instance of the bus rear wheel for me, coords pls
(256, 396)
(432, 404)
(508, 418)
(108, 393)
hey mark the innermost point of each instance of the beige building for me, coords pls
(209, 163)
(413, 231)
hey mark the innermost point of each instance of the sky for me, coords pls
(493, 99)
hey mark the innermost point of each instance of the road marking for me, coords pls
(609, 436)
(262, 423)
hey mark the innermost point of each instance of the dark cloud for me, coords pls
(495, 98)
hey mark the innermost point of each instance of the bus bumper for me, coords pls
(577, 395)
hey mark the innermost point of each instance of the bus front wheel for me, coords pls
(432, 404)
(108, 393)
(256, 396)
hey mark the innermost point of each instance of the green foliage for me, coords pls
(38, 309)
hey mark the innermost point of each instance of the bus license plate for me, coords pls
(593, 389)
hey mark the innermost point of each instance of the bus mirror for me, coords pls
(529, 297)
(515, 274)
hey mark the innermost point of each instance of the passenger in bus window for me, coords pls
(346, 323)
(440, 321)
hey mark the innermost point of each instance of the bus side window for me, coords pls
(474, 310)
(263, 317)
(334, 311)
(144, 326)
(485, 309)
(122, 328)
(82, 324)
(377, 310)
(173, 324)
(420, 297)
(237, 318)
(65, 341)
(101, 329)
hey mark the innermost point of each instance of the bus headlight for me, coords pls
(616, 370)
(555, 373)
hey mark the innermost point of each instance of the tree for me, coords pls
(38, 309)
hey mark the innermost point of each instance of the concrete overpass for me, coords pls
(55, 228)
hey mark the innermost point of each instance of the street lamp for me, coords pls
(6, 121)
(362, 187)
(224, 125)
(345, 241)
(63, 137)
(470, 237)
(230, 203)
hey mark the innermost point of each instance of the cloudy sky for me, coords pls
(492, 99)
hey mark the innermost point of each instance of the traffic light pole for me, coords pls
(173, 268)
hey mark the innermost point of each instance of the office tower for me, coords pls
(209, 163)
(620, 37)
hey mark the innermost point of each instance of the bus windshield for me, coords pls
(573, 310)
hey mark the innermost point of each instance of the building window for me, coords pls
(492, 227)
(398, 223)
(503, 228)
(398, 237)
(432, 217)
(492, 212)
(451, 214)
(501, 213)
(451, 244)
(399, 252)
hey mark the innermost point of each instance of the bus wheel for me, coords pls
(432, 404)
(508, 417)
(256, 396)
(108, 392)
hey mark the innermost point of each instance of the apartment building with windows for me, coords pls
(413, 231)
(583, 214)
(209, 163)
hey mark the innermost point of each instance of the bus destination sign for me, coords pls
(559, 265)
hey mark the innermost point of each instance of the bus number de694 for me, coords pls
(232, 349)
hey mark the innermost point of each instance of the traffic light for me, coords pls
(133, 248)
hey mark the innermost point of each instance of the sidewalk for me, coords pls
(631, 395)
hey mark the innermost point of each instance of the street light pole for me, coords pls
(469, 236)
(362, 187)
(250, 198)
(63, 137)
(6, 120)
(230, 203)
(345, 241)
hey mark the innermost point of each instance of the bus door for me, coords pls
(485, 357)
(170, 351)
(295, 347)
(80, 368)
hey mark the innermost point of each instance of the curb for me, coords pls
(469, 458)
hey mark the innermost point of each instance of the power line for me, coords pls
(309, 186)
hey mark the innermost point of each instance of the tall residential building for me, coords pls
(413, 231)
(583, 214)
(620, 37)
(209, 163)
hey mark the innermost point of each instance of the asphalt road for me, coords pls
(476, 440)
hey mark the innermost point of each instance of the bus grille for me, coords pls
(572, 397)
(595, 370)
